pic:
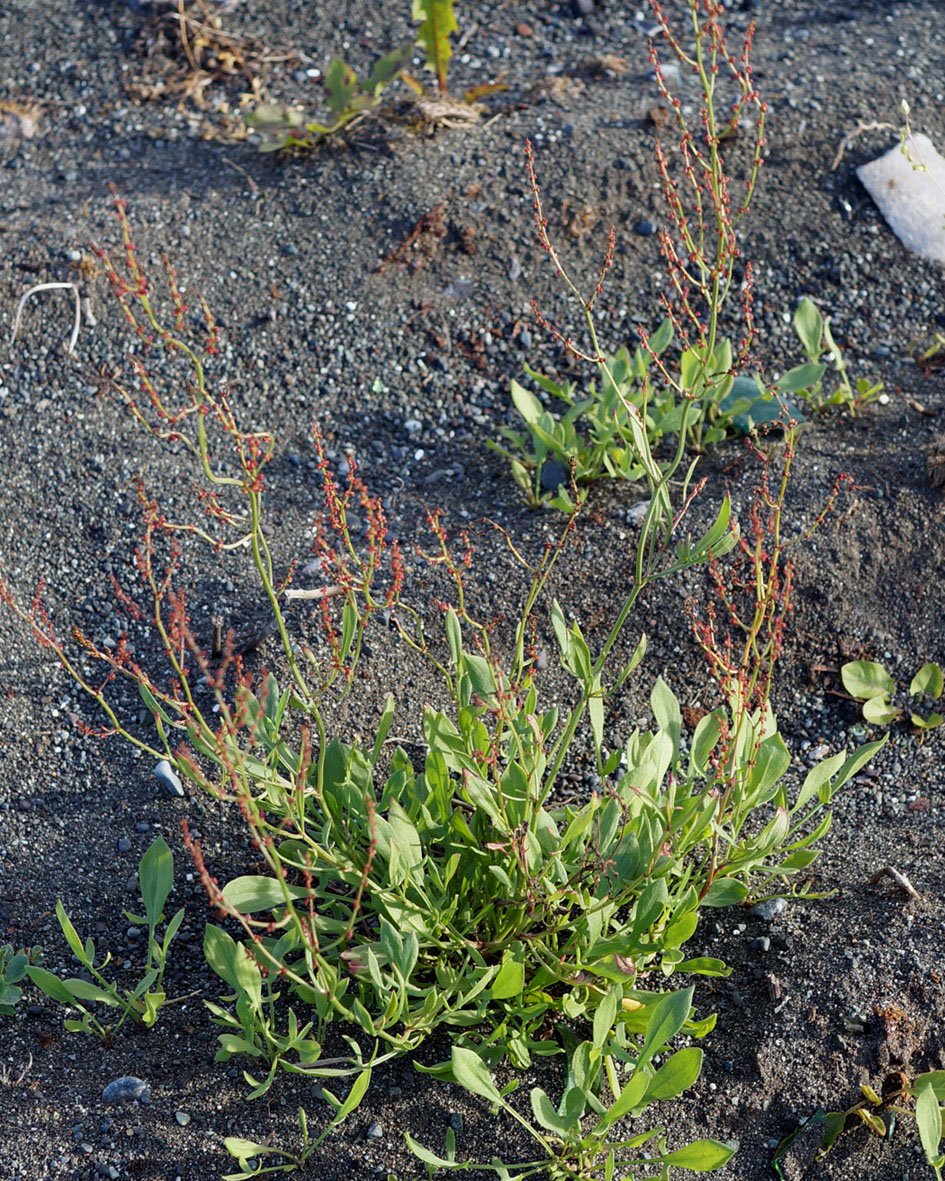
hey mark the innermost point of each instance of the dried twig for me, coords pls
(899, 878)
(850, 136)
(319, 592)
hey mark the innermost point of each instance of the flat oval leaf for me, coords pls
(509, 982)
(250, 894)
(929, 680)
(701, 1156)
(865, 679)
(469, 1070)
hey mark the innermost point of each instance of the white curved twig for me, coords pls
(49, 287)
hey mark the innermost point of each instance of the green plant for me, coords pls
(436, 21)
(156, 878)
(572, 1149)
(693, 397)
(348, 98)
(252, 1156)
(879, 1114)
(253, 1023)
(869, 682)
(13, 968)
(806, 381)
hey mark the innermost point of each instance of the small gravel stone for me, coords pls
(164, 773)
(553, 475)
(762, 944)
(515, 269)
(127, 1089)
(646, 229)
(456, 1121)
(581, 8)
(768, 909)
(375, 1131)
(182, 1118)
(124, 844)
(637, 512)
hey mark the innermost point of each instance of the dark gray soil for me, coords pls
(410, 363)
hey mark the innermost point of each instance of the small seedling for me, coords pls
(806, 381)
(869, 682)
(570, 1149)
(156, 878)
(348, 98)
(13, 969)
(252, 1156)
(879, 1115)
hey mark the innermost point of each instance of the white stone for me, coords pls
(911, 200)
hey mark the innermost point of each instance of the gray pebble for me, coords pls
(553, 475)
(124, 844)
(375, 1131)
(768, 909)
(645, 229)
(582, 7)
(127, 1089)
(515, 269)
(164, 773)
(762, 944)
(456, 1121)
(182, 1118)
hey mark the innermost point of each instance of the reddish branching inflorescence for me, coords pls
(699, 244)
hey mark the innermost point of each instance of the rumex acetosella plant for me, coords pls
(403, 894)
(679, 383)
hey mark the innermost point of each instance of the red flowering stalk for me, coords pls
(741, 630)
(699, 245)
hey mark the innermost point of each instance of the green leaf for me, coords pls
(666, 710)
(526, 403)
(928, 1118)
(480, 674)
(428, 1157)
(701, 1156)
(437, 21)
(802, 377)
(864, 679)
(51, 985)
(677, 1074)
(85, 990)
(604, 1017)
(469, 1070)
(545, 1114)
(628, 1099)
(816, 778)
(725, 892)
(232, 963)
(509, 982)
(250, 894)
(669, 1015)
(880, 711)
(385, 70)
(355, 1095)
(242, 1149)
(809, 325)
(454, 636)
(156, 878)
(341, 82)
(72, 936)
(929, 680)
